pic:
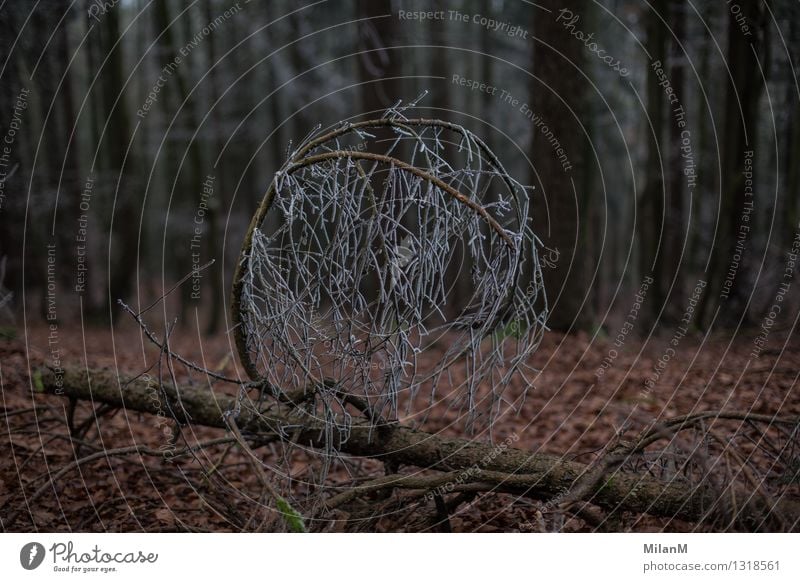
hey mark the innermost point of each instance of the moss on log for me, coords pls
(541, 476)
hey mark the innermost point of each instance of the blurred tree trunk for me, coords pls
(378, 69)
(651, 201)
(17, 170)
(42, 51)
(378, 66)
(94, 45)
(124, 246)
(792, 146)
(706, 177)
(792, 214)
(71, 175)
(188, 181)
(487, 69)
(278, 142)
(676, 231)
(146, 153)
(441, 66)
(42, 229)
(740, 131)
(558, 98)
(215, 249)
(276, 71)
(300, 124)
(591, 215)
(441, 101)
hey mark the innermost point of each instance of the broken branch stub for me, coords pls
(383, 275)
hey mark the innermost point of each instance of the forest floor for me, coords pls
(570, 411)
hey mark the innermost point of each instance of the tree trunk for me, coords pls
(378, 66)
(124, 247)
(215, 249)
(734, 237)
(71, 176)
(558, 101)
(186, 183)
(14, 171)
(650, 221)
(536, 475)
(676, 232)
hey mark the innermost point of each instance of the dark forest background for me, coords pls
(707, 194)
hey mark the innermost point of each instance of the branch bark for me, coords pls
(537, 475)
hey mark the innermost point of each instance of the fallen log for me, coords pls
(541, 476)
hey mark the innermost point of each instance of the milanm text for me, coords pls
(659, 549)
